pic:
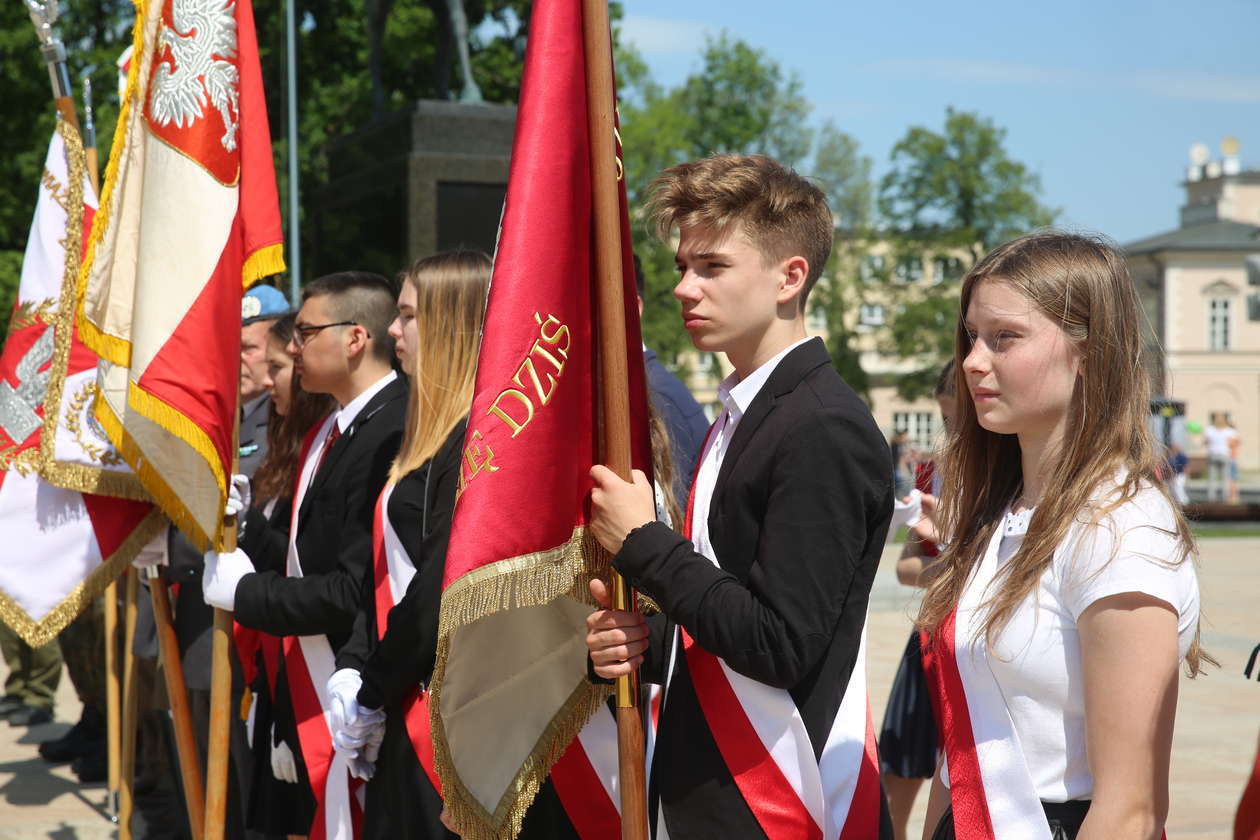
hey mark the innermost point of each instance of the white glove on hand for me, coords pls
(155, 552)
(223, 573)
(283, 765)
(355, 730)
(239, 496)
(343, 700)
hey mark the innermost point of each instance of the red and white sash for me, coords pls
(768, 751)
(393, 571)
(991, 788)
(585, 776)
(309, 662)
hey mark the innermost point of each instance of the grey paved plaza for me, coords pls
(1217, 723)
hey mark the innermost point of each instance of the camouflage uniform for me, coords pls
(33, 672)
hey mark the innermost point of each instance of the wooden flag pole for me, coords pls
(185, 740)
(221, 682)
(613, 373)
(131, 708)
(113, 696)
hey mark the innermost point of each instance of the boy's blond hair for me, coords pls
(780, 213)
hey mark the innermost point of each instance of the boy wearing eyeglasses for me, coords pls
(309, 583)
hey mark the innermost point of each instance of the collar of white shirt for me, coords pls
(351, 410)
(737, 394)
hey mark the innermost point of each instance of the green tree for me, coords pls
(844, 174)
(960, 187)
(948, 198)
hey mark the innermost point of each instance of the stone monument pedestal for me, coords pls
(412, 184)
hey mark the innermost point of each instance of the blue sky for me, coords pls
(1102, 99)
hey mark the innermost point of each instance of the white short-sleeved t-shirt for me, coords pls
(1036, 658)
(1218, 440)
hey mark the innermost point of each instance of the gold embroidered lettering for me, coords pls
(544, 394)
(517, 426)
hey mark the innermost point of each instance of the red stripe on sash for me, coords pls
(416, 705)
(313, 734)
(862, 821)
(417, 720)
(771, 797)
(380, 567)
(949, 700)
(584, 797)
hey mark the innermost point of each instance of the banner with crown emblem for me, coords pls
(63, 542)
(189, 214)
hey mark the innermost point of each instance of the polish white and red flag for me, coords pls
(189, 217)
(72, 512)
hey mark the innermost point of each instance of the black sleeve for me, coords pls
(406, 654)
(824, 488)
(266, 539)
(326, 602)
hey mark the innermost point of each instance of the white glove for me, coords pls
(283, 765)
(154, 553)
(354, 728)
(343, 700)
(372, 733)
(223, 573)
(239, 496)
(906, 511)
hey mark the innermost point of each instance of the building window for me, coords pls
(1218, 324)
(871, 269)
(909, 270)
(871, 315)
(946, 270)
(921, 425)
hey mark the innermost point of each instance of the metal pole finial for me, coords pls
(44, 16)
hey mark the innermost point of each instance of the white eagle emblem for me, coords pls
(202, 40)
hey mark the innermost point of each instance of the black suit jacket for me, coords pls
(334, 533)
(798, 519)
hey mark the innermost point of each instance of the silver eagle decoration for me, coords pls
(200, 71)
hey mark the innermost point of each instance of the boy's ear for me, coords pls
(356, 342)
(795, 273)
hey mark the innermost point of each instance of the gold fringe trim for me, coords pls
(73, 476)
(264, 262)
(166, 498)
(529, 580)
(36, 633)
(109, 347)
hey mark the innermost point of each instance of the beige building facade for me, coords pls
(1200, 287)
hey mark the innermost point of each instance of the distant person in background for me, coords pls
(1217, 438)
(683, 418)
(908, 740)
(1235, 441)
(1177, 463)
(899, 444)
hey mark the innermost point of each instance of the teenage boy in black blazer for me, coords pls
(794, 487)
(342, 347)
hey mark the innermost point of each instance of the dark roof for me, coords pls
(1221, 235)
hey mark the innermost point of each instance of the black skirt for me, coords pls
(1065, 819)
(908, 740)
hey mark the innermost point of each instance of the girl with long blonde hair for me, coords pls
(384, 708)
(1066, 596)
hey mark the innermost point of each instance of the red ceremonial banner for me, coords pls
(510, 689)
